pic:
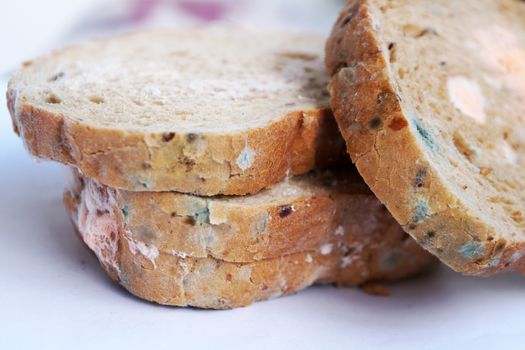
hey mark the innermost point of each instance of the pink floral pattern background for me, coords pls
(124, 15)
(206, 11)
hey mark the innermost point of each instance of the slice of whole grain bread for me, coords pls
(209, 111)
(430, 98)
(225, 252)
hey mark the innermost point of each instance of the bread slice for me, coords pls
(225, 252)
(430, 98)
(210, 111)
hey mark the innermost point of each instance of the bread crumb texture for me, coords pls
(429, 96)
(203, 111)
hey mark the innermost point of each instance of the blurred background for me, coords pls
(30, 27)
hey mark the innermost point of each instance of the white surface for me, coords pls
(30, 27)
(27, 27)
(53, 294)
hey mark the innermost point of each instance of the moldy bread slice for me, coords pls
(430, 97)
(224, 252)
(202, 111)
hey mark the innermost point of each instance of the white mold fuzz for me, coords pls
(245, 159)
(96, 223)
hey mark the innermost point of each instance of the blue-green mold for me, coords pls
(201, 212)
(424, 134)
(125, 210)
(420, 212)
(472, 250)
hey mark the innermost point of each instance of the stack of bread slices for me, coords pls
(209, 171)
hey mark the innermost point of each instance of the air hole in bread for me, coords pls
(427, 31)
(485, 171)
(346, 20)
(375, 123)
(401, 73)
(463, 147)
(167, 137)
(340, 66)
(517, 216)
(385, 8)
(434, 106)
(501, 199)
(299, 56)
(96, 99)
(349, 15)
(53, 99)
(417, 31)
(56, 77)
(392, 52)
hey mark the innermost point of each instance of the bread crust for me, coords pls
(368, 246)
(385, 143)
